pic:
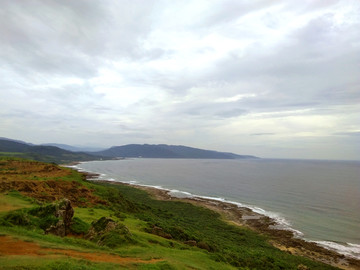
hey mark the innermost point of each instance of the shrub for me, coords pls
(106, 232)
(79, 226)
(18, 217)
(47, 221)
(43, 211)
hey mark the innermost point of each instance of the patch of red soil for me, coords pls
(10, 246)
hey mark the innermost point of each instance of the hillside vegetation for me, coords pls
(117, 227)
(41, 152)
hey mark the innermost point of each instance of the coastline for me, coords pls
(283, 239)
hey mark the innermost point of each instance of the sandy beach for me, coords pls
(241, 216)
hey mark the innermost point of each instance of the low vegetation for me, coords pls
(118, 227)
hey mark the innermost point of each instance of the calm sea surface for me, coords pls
(320, 199)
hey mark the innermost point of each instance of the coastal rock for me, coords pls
(64, 212)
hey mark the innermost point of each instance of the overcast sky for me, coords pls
(269, 78)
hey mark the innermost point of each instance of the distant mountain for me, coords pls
(73, 148)
(18, 141)
(14, 148)
(62, 153)
(166, 151)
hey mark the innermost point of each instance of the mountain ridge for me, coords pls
(74, 148)
(166, 151)
(61, 152)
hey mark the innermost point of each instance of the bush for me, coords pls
(79, 226)
(18, 217)
(46, 222)
(116, 238)
(106, 232)
(43, 211)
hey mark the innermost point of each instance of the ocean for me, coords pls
(319, 200)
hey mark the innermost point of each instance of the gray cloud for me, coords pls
(230, 10)
(225, 110)
(262, 134)
(355, 133)
(72, 37)
(316, 66)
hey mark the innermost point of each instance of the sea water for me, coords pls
(320, 200)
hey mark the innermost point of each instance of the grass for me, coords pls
(13, 200)
(147, 229)
(11, 154)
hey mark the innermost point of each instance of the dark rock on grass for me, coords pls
(55, 218)
(64, 212)
(160, 232)
(107, 232)
(191, 243)
(99, 227)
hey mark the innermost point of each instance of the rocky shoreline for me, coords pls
(241, 216)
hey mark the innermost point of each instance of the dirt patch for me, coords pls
(8, 207)
(10, 247)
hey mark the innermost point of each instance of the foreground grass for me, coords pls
(186, 236)
(12, 201)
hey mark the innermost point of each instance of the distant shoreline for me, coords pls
(282, 239)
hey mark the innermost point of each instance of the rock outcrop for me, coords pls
(64, 212)
(99, 227)
(107, 232)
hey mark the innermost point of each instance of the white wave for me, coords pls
(183, 192)
(70, 166)
(282, 223)
(348, 249)
(179, 194)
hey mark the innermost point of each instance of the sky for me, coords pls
(275, 79)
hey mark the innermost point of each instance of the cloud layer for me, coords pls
(268, 78)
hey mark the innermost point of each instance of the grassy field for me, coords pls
(159, 234)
